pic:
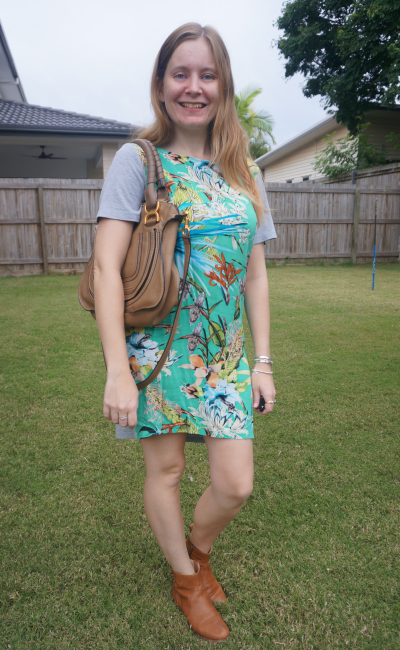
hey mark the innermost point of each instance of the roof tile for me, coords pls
(20, 116)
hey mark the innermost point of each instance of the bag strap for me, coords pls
(155, 169)
(164, 356)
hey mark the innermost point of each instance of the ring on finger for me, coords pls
(271, 401)
(125, 417)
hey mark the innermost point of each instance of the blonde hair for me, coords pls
(228, 141)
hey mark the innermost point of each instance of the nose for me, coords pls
(193, 86)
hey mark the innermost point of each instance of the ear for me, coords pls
(160, 90)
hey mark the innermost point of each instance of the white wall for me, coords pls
(296, 165)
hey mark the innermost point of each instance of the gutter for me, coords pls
(301, 135)
(7, 52)
(28, 130)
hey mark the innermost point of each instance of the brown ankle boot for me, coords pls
(211, 584)
(192, 598)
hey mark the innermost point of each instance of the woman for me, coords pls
(206, 387)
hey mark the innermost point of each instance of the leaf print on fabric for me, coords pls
(219, 422)
(142, 155)
(205, 386)
(214, 184)
(192, 391)
(154, 402)
(242, 386)
(172, 411)
(235, 342)
(217, 334)
(224, 274)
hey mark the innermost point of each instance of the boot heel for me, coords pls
(190, 595)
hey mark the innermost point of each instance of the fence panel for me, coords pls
(326, 221)
(49, 223)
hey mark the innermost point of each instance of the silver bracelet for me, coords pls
(263, 372)
(264, 359)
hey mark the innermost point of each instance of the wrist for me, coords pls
(117, 372)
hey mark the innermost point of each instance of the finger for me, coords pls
(256, 397)
(132, 417)
(106, 412)
(269, 404)
(114, 415)
(123, 420)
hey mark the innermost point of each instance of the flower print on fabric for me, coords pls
(205, 386)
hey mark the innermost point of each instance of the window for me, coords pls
(290, 180)
(306, 178)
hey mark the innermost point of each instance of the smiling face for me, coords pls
(190, 88)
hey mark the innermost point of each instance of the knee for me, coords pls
(237, 492)
(169, 473)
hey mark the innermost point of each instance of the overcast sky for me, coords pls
(96, 56)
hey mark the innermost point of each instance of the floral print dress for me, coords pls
(204, 387)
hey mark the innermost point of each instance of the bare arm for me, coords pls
(257, 308)
(120, 395)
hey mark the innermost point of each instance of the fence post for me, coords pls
(356, 219)
(43, 233)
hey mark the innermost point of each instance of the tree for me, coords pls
(348, 51)
(257, 124)
(347, 154)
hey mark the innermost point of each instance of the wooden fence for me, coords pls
(324, 222)
(48, 224)
(384, 176)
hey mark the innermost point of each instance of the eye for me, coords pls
(208, 77)
(179, 75)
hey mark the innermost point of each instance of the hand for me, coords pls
(121, 398)
(263, 386)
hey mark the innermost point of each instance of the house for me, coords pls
(39, 142)
(293, 161)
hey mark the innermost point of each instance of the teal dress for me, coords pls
(204, 387)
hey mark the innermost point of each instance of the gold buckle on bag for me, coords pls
(150, 213)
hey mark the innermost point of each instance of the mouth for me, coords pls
(192, 105)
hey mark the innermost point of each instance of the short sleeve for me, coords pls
(123, 190)
(266, 229)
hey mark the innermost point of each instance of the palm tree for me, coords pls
(257, 124)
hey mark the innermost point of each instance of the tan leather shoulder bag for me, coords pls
(150, 278)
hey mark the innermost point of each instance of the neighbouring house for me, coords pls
(293, 161)
(39, 142)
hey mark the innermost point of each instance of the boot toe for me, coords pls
(219, 632)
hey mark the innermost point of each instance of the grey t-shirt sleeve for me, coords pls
(266, 230)
(123, 190)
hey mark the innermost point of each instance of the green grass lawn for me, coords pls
(312, 561)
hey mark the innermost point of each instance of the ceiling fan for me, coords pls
(43, 155)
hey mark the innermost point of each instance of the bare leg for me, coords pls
(165, 463)
(231, 471)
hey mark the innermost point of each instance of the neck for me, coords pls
(191, 144)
